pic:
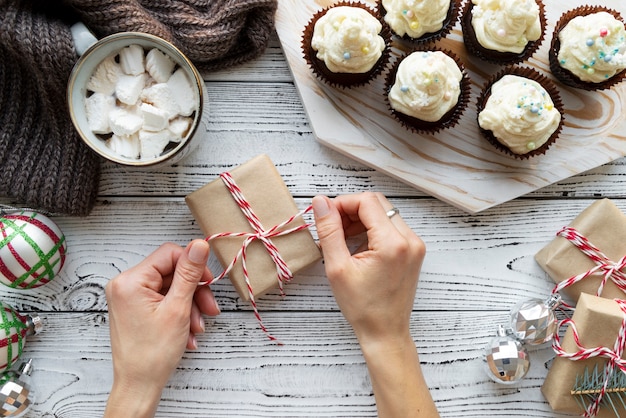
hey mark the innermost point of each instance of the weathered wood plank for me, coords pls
(252, 118)
(318, 372)
(474, 262)
(269, 67)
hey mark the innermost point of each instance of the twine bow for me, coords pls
(604, 266)
(262, 234)
(614, 356)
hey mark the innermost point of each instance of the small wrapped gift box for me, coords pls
(598, 322)
(216, 211)
(603, 225)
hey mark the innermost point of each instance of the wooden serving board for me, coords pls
(455, 165)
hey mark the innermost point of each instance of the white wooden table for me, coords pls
(477, 266)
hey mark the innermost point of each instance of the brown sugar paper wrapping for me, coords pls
(216, 211)
(604, 225)
(598, 321)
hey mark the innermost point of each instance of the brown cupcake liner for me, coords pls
(333, 79)
(546, 83)
(496, 57)
(430, 37)
(567, 77)
(449, 119)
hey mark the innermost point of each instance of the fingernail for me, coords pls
(202, 325)
(320, 206)
(198, 251)
(194, 342)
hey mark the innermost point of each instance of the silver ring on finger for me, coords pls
(393, 212)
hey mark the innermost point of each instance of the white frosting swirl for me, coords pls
(427, 85)
(520, 114)
(593, 47)
(415, 17)
(347, 40)
(506, 25)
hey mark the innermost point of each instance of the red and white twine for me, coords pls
(606, 267)
(283, 272)
(614, 356)
(610, 270)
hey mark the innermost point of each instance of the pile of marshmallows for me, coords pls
(139, 103)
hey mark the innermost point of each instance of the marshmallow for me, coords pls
(104, 78)
(123, 122)
(97, 108)
(126, 146)
(182, 92)
(161, 96)
(159, 65)
(153, 143)
(154, 119)
(132, 60)
(129, 88)
(141, 102)
(179, 127)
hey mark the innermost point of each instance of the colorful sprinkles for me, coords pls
(414, 24)
(602, 54)
(529, 103)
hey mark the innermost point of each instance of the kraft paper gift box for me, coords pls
(604, 225)
(598, 322)
(216, 211)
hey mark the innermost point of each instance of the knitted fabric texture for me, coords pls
(43, 162)
(214, 34)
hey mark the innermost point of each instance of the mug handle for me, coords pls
(83, 37)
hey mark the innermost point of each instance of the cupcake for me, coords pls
(588, 47)
(420, 20)
(503, 31)
(428, 90)
(520, 112)
(346, 44)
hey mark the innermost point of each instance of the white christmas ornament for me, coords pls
(32, 249)
(14, 328)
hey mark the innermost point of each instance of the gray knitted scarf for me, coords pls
(43, 163)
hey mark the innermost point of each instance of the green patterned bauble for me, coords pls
(14, 328)
(32, 249)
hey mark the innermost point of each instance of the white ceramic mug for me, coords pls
(92, 52)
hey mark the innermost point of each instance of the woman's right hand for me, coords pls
(375, 287)
(375, 290)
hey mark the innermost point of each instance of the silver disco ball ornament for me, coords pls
(506, 358)
(533, 320)
(15, 391)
